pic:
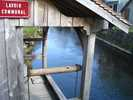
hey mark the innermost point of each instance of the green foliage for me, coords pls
(115, 29)
(32, 32)
(119, 38)
(131, 29)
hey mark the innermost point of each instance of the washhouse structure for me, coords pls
(86, 15)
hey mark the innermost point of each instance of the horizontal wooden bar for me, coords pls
(55, 70)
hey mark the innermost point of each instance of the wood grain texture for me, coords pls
(89, 44)
(42, 13)
(104, 14)
(20, 64)
(29, 21)
(53, 15)
(11, 53)
(45, 13)
(4, 91)
(66, 21)
(55, 70)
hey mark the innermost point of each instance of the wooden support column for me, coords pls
(44, 48)
(89, 45)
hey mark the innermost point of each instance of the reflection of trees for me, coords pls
(119, 38)
(30, 32)
(112, 65)
(111, 78)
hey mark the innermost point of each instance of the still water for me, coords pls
(110, 80)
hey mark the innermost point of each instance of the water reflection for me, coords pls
(111, 80)
(64, 49)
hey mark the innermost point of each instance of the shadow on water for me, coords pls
(111, 80)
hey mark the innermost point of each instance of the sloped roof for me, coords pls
(92, 8)
(107, 13)
(110, 10)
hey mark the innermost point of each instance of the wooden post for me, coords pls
(89, 45)
(4, 87)
(44, 48)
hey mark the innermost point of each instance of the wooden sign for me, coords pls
(14, 9)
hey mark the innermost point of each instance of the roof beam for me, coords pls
(104, 14)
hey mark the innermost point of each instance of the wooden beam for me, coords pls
(4, 94)
(89, 45)
(104, 14)
(44, 47)
(54, 70)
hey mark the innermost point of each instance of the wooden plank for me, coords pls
(104, 14)
(81, 21)
(87, 66)
(35, 14)
(11, 59)
(29, 21)
(44, 45)
(56, 88)
(14, 78)
(54, 16)
(14, 22)
(66, 21)
(54, 70)
(42, 12)
(4, 91)
(14, 63)
(20, 64)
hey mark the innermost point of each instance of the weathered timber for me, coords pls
(89, 45)
(10, 38)
(44, 14)
(14, 58)
(100, 11)
(44, 11)
(44, 47)
(54, 70)
(20, 65)
(4, 89)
